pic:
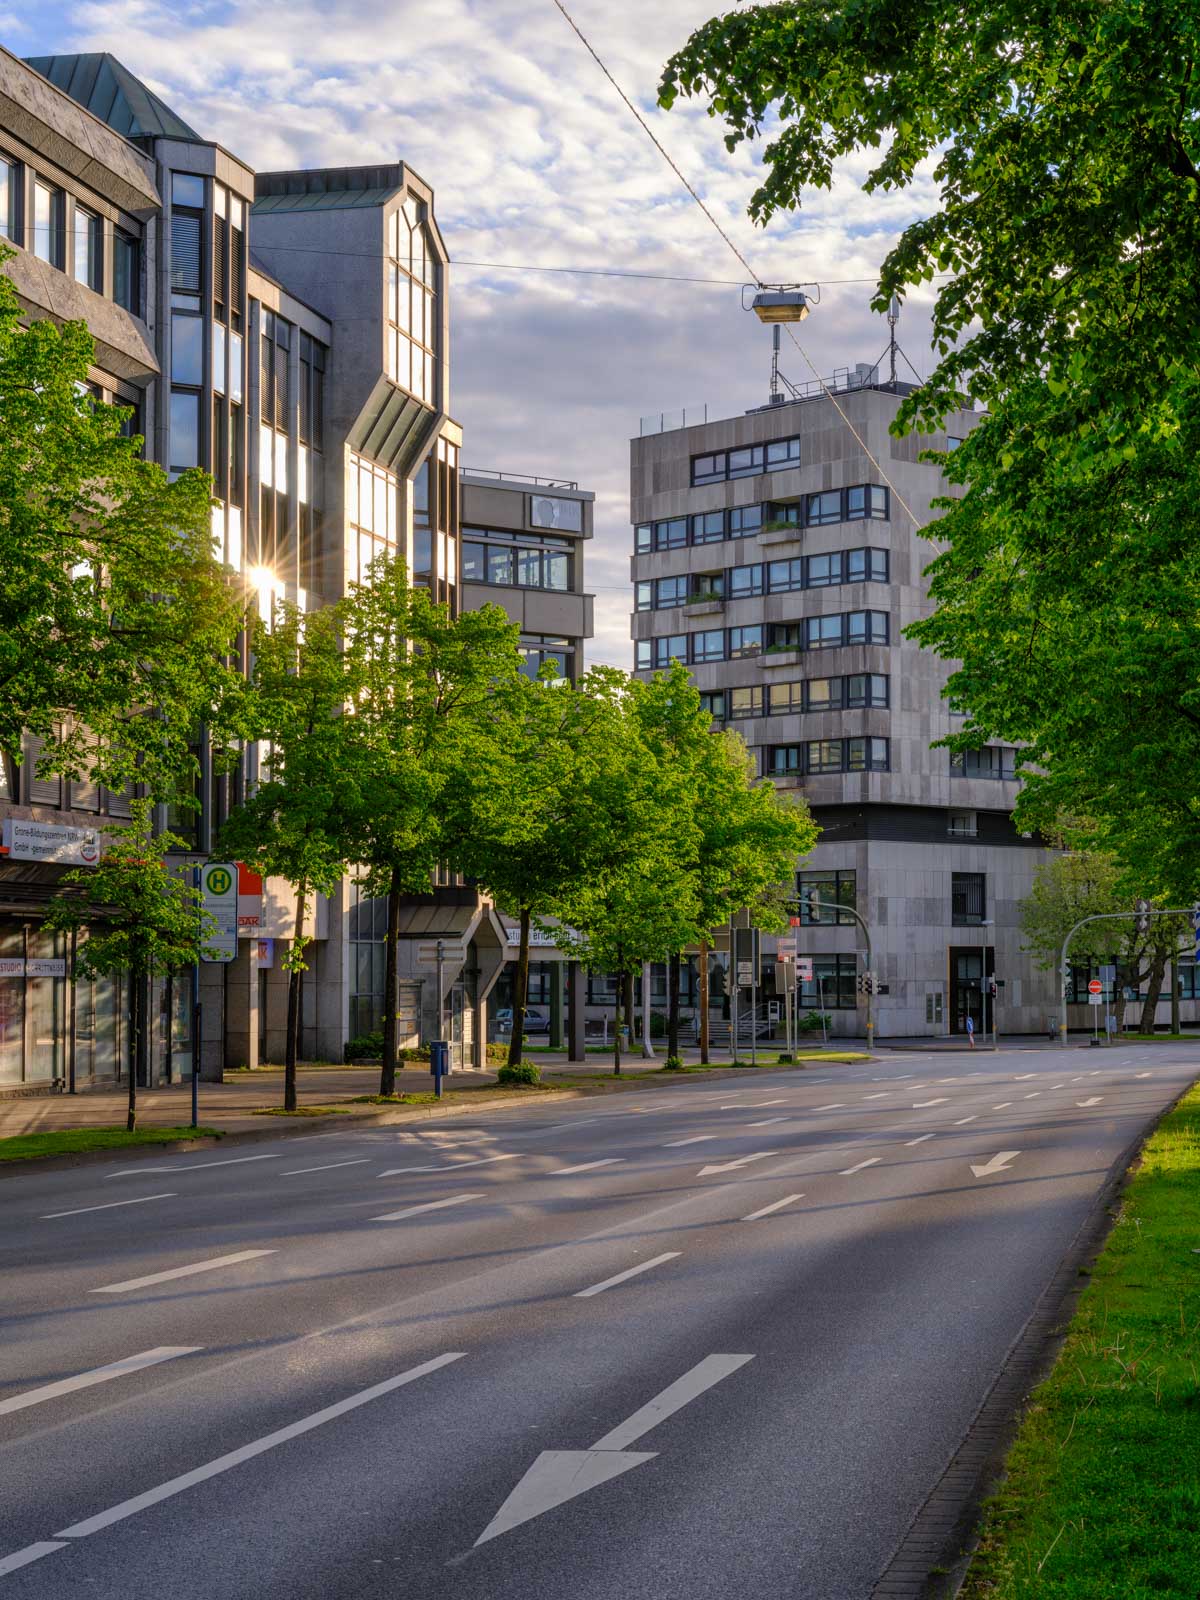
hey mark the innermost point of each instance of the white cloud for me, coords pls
(533, 160)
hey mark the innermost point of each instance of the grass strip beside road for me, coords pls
(75, 1141)
(1102, 1495)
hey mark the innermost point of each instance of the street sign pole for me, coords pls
(441, 967)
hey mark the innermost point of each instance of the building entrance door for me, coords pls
(968, 970)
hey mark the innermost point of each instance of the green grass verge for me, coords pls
(300, 1111)
(1102, 1494)
(73, 1141)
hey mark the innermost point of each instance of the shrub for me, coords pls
(365, 1047)
(526, 1072)
(811, 1022)
(672, 1064)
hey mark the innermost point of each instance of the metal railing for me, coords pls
(520, 477)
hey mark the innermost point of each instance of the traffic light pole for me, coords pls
(813, 903)
(1100, 916)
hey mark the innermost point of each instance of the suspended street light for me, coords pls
(780, 303)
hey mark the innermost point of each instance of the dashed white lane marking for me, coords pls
(837, 1105)
(194, 1166)
(1136, 1075)
(1035, 1095)
(1094, 1101)
(623, 1277)
(1058, 1086)
(910, 1142)
(31, 1552)
(453, 1166)
(882, 1095)
(697, 1138)
(430, 1205)
(1003, 1106)
(767, 1121)
(1024, 1077)
(920, 1105)
(871, 1161)
(761, 1105)
(85, 1380)
(107, 1206)
(586, 1166)
(776, 1205)
(741, 1161)
(328, 1166)
(183, 1272)
(962, 1121)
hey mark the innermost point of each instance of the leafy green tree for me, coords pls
(154, 921)
(426, 688)
(296, 823)
(1064, 145)
(524, 826)
(116, 622)
(1078, 884)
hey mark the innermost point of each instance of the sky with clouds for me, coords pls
(535, 162)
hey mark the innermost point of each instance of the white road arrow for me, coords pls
(742, 1161)
(559, 1475)
(1000, 1163)
(1094, 1101)
(919, 1105)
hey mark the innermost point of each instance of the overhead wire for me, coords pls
(653, 137)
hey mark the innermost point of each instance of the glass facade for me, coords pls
(413, 305)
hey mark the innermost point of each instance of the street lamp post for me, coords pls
(814, 903)
(1100, 916)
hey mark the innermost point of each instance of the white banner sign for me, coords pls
(50, 967)
(12, 966)
(50, 841)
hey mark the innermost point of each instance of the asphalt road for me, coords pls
(703, 1342)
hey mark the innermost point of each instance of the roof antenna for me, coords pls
(893, 317)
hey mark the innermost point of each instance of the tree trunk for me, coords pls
(292, 1049)
(647, 1009)
(387, 1070)
(135, 1053)
(673, 1003)
(617, 1027)
(1150, 1005)
(627, 980)
(520, 993)
(703, 963)
(1174, 994)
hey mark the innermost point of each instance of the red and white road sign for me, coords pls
(1095, 986)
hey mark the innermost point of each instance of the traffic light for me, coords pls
(1143, 916)
(866, 983)
(993, 988)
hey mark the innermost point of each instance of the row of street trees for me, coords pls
(385, 737)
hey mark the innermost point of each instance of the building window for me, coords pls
(746, 702)
(186, 231)
(785, 636)
(865, 500)
(745, 641)
(866, 566)
(712, 701)
(835, 889)
(866, 755)
(707, 527)
(10, 189)
(745, 520)
(824, 755)
(783, 759)
(187, 349)
(785, 698)
(817, 756)
(87, 252)
(745, 462)
(967, 899)
(823, 694)
(538, 649)
(989, 761)
(48, 224)
(962, 825)
(371, 508)
(708, 645)
(522, 561)
(412, 340)
(833, 986)
(368, 951)
(185, 430)
(866, 689)
(744, 581)
(823, 633)
(125, 271)
(867, 627)
(785, 575)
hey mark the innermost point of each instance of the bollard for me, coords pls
(439, 1063)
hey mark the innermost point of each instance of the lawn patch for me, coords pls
(76, 1141)
(1101, 1495)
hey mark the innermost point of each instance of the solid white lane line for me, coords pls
(247, 1452)
(767, 1121)
(453, 1166)
(673, 1398)
(910, 1142)
(1003, 1106)
(871, 1161)
(586, 1166)
(31, 1552)
(85, 1380)
(294, 1172)
(623, 1277)
(778, 1205)
(141, 1200)
(962, 1120)
(698, 1138)
(182, 1272)
(430, 1205)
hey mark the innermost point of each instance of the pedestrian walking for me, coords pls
(971, 1031)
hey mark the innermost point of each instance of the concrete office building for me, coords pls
(287, 332)
(771, 558)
